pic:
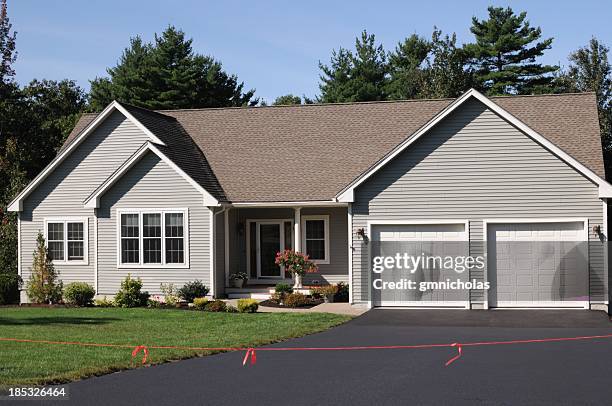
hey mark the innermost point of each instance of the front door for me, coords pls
(270, 240)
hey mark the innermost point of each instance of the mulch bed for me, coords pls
(272, 303)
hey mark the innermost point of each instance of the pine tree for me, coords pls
(358, 76)
(406, 68)
(7, 46)
(43, 285)
(505, 52)
(168, 74)
(590, 71)
(446, 74)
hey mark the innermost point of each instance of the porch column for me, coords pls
(226, 257)
(297, 228)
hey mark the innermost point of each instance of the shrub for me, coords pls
(342, 295)
(130, 295)
(325, 290)
(79, 294)
(155, 304)
(247, 305)
(200, 303)
(191, 290)
(104, 302)
(170, 296)
(295, 300)
(231, 309)
(43, 286)
(216, 306)
(283, 288)
(295, 262)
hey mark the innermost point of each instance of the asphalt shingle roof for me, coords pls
(311, 152)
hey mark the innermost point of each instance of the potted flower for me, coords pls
(296, 264)
(238, 279)
(327, 292)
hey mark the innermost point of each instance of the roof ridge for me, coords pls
(145, 110)
(364, 102)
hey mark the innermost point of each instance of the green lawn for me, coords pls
(27, 363)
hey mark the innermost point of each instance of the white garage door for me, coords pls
(538, 264)
(419, 240)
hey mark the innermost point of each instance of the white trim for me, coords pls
(19, 244)
(605, 189)
(65, 220)
(93, 201)
(95, 220)
(17, 203)
(547, 305)
(510, 220)
(350, 250)
(226, 243)
(325, 218)
(297, 226)
(458, 304)
(317, 203)
(162, 211)
(211, 247)
(255, 280)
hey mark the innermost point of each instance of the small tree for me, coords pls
(44, 285)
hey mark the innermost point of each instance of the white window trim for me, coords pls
(162, 212)
(65, 221)
(325, 218)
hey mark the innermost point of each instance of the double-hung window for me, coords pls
(66, 240)
(153, 237)
(315, 238)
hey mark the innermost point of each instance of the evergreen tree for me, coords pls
(7, 47)
(505, 52)
(590, 71)
(446, 75)
(406, 68)
(43, 285)
(358, 76)
(168, 75)
(287, 99)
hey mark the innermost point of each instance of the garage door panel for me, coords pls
(537, 264)
(417, 240)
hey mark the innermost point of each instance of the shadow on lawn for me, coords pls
(43, 321)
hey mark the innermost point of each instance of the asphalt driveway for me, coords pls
(559, 373)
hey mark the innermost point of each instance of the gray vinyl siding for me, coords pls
(334, 272)
(62, 193)
(474, 166)
(219, 260)
(151, 183)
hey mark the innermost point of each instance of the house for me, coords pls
(174, 196)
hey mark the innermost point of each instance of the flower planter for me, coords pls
(238, 283)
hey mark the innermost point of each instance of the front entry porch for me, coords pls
(248, 239)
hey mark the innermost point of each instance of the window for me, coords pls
(315, 238)
(152, 237)
(66, 240)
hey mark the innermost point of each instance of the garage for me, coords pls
(537, 264)
(426, 240)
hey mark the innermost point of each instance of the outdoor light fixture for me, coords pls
(597, 229)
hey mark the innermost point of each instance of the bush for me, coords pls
(155, 304)
(79, 294)
(247, 305)
(191, 290)
(170, 296)
(231, 309)
(295, 300)
(325, 290)
(283, 288)
(104, 302)
(216, 306)
(43, 286)
(130, 295)
(342, 295)
(200, 303)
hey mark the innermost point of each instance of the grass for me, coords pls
(37, 364)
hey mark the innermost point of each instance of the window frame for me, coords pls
(65, 221)
(325, 219)
(162, 212)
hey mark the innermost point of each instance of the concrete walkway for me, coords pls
(337, 308)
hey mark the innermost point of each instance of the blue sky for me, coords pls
(273, 46)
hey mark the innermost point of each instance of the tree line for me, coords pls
(167, 73)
